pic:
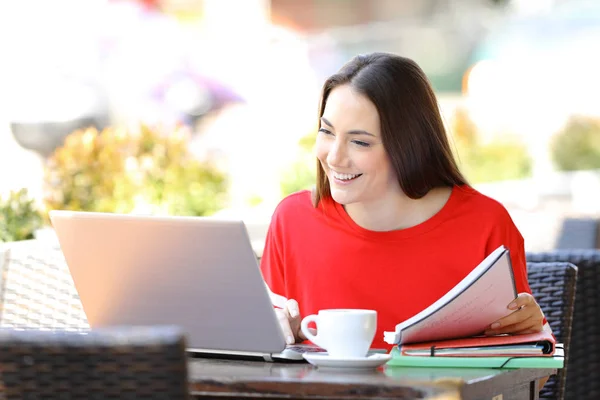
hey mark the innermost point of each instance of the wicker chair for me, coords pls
(579, 233)
(583, 364)
(134, 363)
(37, 291)
(553, 285)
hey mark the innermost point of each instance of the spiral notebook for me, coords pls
(539, 344)
(467, 309)
(507, 362)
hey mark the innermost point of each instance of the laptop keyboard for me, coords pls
(306, 349)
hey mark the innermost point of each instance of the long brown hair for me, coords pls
(412, 130)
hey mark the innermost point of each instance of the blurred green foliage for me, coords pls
(145, 170)
(299, 176)
(19, 217)
(501, 159)
(301, 173)
(577, 145)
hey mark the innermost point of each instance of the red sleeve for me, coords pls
(507, 234)
(271, 263)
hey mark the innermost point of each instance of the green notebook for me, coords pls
(556, 361)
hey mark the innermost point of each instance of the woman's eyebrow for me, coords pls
(324, 120)
(352, 132)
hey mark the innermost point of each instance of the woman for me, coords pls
(393, 224)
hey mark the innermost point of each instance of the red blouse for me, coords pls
(321, 258)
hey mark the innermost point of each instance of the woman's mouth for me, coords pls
(345, 178)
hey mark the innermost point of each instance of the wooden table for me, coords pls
(210, 378)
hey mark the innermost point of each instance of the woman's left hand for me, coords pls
(527, 317)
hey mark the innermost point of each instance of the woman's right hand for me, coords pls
(289, 319)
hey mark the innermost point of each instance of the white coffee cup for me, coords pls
(344, 333)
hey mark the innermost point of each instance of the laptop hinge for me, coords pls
(268, 357)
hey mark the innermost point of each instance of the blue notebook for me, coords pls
(556, 361)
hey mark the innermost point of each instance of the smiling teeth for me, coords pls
(344, 177)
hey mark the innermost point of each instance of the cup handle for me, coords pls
(309, 335)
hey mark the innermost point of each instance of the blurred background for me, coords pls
(204, 107)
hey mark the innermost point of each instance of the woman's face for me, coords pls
(350, 149)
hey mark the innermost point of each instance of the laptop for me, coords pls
(199, 273)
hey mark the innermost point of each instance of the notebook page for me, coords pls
(473, 304)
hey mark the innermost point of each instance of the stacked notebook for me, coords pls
(508, 362)
(449, 332)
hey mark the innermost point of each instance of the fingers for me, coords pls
(522, 300)
(526, 326)
(292, 308)
(527, 318)
(284, 322)
(290, 319)
(295, 319)
(303, 337)
(530, 330)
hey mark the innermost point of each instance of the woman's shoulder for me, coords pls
(480, 204)
(295, 203)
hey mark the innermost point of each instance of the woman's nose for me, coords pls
(337, 154)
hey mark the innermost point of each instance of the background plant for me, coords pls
(19, 217)
(301, 173)
(503, 158)
(577, 145)
(118, 170)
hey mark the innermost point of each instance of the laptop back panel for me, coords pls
(199, 273)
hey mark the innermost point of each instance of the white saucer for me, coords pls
(327, 361)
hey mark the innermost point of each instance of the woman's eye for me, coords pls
(362, 144)
(325, 131)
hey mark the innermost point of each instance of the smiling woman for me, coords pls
(393, 225)
(377, 98)
(350, 158)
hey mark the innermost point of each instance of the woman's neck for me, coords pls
(398, 211)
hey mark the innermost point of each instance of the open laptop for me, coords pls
(199, 273)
